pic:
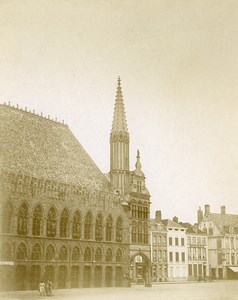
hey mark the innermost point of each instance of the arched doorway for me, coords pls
(140, 269)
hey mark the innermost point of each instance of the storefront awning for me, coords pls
(234, 269)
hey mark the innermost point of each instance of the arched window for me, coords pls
(63, 254)
(133, 233)
(210, 230)
(145, 233)
(109, 254)
(77, 225)
(119, 230)
(119, 255)
(7, 218)
(22, 220)
(37, 219)
(88, 226)
(109, 229)
(21, 251)
(6, 251)
(36, 252)
(87, 254)
(139, 229)
(98, 228)
(64, 223)
(76, 254)
(98, 254)
(50, 253)
(51, 223)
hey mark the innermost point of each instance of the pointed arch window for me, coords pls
(7, 218)
(119, 255)
(7, 251)
(37, 221)
(133, 233)
(22, 220)
(76, 254)
(88, 226)
(36, 252)
(77, 223)
(63, 254)
(98, 228)
(139, 228)
(145, 234)
(98, 254)
(51, 223)
(50, 253)
(22, 251)
(119, 230)
(109, 229)
(87, 254)
(109, 255)
(64, 223)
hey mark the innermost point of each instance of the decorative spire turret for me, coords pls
(119, 146)
(119, 123)
(138, 163)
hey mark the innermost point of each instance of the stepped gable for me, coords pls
(37, 146)
(224, 220)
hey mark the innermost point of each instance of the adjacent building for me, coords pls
(159, 254)
(222, 230)
(198, 266)
(177, 250)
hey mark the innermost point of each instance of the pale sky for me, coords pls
(178, 61)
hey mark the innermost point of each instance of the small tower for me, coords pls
(119, 147)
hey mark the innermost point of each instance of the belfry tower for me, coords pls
(119, 147)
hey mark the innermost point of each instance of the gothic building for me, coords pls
(61, 218)
(130, 186)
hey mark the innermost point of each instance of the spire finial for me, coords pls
(138, 163)
(119, 80)
(119, 118)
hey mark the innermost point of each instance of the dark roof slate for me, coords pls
(34, 145)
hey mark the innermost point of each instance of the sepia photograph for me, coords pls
(119, 149)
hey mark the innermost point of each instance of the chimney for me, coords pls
(199, 215)
(223, 210)
(207, 209)
(175, 219)
(158, 215)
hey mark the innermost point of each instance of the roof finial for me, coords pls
(138, 163)
(119, 117)
(119, 80)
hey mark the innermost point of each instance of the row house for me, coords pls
(222, 231)
(198, 266)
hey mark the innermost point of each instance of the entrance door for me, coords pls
(108, 277)
(20, 278)
(118, 276)
(86, 276)
(49, 274)
(98, 276)
(62, 277)
(75, 277)
(35, 277)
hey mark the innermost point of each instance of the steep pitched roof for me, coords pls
(170, 223)
(34, 145)
(224, 220)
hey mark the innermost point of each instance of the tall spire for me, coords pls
(119, 119)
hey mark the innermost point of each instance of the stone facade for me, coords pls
(60, 219)
(222, 230)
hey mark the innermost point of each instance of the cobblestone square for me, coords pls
(217, 290)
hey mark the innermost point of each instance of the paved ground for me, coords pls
(217, 290)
